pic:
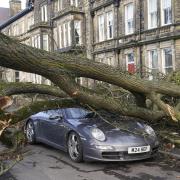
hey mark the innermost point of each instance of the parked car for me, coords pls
(88, 136)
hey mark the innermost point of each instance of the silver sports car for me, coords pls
(88, 136)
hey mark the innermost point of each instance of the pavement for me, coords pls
(42, 162)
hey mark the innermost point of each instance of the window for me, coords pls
(129, 20)
(130, 63)
(60, 37)
(65, 30)
(45, 42)
(60, 5)
(36, 41)
(153, 62)
(44, 13)
(152, 14)
(77, 32)
(69, 33)
(109, 25)
(79, 80)
(75, 3)
(167, 60)
(101, 27)
(16, 30)
(30, 22)
(66, 34)
(109, 61)
(166, 12)
(17, 79)
(21, 27)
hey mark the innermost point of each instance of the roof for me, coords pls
(4, 15)
(16, 17)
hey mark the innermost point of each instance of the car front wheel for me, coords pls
(75, 148)
(30, 132)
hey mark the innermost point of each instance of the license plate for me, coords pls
(136, 150)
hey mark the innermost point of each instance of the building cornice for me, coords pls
(66, 11)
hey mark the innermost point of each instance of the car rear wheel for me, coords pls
(75, 148)
(30, 132)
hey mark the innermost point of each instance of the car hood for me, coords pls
(125, 130)
(121, 126)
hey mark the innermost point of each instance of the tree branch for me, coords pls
(8, 89)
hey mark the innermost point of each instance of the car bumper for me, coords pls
(118, 154)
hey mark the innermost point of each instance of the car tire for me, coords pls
(30, 132)
(75, 148)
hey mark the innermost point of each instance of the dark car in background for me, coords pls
(88, 136)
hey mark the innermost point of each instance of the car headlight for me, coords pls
(149, 130)
(98, 134)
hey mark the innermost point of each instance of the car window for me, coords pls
(49, 113)
(77, 113)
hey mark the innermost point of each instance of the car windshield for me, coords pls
(78, 113)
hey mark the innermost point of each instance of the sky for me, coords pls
(5, 3)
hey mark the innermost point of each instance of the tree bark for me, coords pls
(62, 69)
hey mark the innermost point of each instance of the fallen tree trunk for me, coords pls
(62, 69)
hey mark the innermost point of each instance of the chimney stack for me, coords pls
(15, 7)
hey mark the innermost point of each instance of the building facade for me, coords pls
(135, 35)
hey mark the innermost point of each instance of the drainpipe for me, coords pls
(140, 38)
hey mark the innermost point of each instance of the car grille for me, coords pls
(112, 155)
(125, 156)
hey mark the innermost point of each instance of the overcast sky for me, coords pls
(5, 3)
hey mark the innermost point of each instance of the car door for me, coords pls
(53, 128)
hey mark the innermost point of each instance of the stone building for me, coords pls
(132, 34)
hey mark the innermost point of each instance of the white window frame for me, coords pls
(77, 26)
(64, 34)
(75, 3)
(110, 24)
(17, 78)
(129, 19)
(60, 36)
(101, 28)
(69, 33)
(150, 60)
(60, 5)
(109, 61)
(44, 13)
(45, 39)
(163, 60)
(150, 26)
(36, 41)
(163, 14)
